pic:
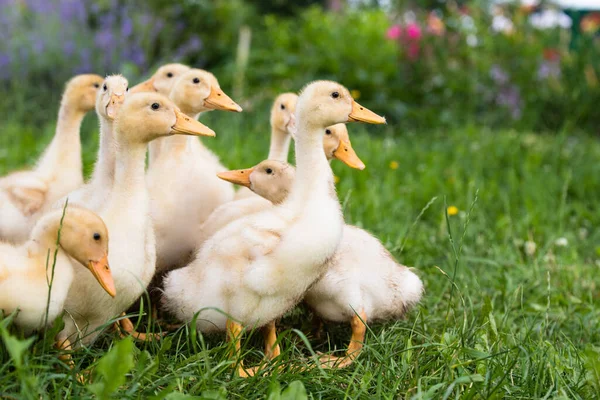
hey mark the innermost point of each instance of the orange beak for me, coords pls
(346, 154)
(101, 272)
(218, 100)
(146, 86)
(239, 176)
(114, 105)
(362, 114)
(185, 125)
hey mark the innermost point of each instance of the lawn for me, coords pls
(512, 304)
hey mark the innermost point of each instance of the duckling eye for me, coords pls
(283, 106)
(127, 90)
(335, 95)
(169, 74)
(155, 106)
(97, 236)
(328, 131)
(104, 87)
(196, 80)
(269, 171)
(96, 85)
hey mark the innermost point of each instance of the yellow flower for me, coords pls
(394, 165)
(336, 179)
(355, 94)
(452, 210)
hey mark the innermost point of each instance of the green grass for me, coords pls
(495, 322)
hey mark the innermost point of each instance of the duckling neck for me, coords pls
(280, 145)
(129, 170)
(104, 170)
(172, 144)
(314, 178)
(66, 144)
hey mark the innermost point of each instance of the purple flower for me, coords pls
(68, 47)
(126, 26)
(498, 75)
(104, 39)
(510, 97)
(72, 10)
(548, 69)
(43, 7)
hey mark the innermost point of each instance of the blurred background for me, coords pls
(425, 64)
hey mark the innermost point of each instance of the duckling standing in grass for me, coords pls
(26, 271)
(257, 180)
(362, 282)
(181, 202)
(143, 117)
(258, 267)
(25, 195)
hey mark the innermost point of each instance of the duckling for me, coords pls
(181, 202)
(336, 144)
(260, 266)
(142, 118)
(108, 102)
(26, 271)
(283, 124)
(163, 79)
(362, 282)
(25, 195)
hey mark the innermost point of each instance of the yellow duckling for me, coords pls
(26, 270)
(178, 208)
(25, 195)
(142, 118)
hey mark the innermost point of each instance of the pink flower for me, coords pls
(394, 32)
(413, 51)
(413, 31)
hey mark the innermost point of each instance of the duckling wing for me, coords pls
(26, 190)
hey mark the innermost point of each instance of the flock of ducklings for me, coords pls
(230, 259)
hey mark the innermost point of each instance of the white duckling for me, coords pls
(363, 282)
(26, 270)
(283, 124)
(142, 118)
(262, 179)
(108, 102)
(25, 195)
(260, 266)
(181, 202)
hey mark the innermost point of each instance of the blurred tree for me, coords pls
(285, 7)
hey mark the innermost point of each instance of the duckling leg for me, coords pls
(272, 349)
(234, 335)
(126, 325)
(317, 326)
(359, 330)
(65, 345)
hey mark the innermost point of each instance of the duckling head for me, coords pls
(111, 96)
(197, 91)
(270, 179)
(163, 79)
(336, 144)
(84, 237)
(282, 113)
(80, 92)
(144, 117)
(325, 103)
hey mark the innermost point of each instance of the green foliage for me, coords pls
(112, 369)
